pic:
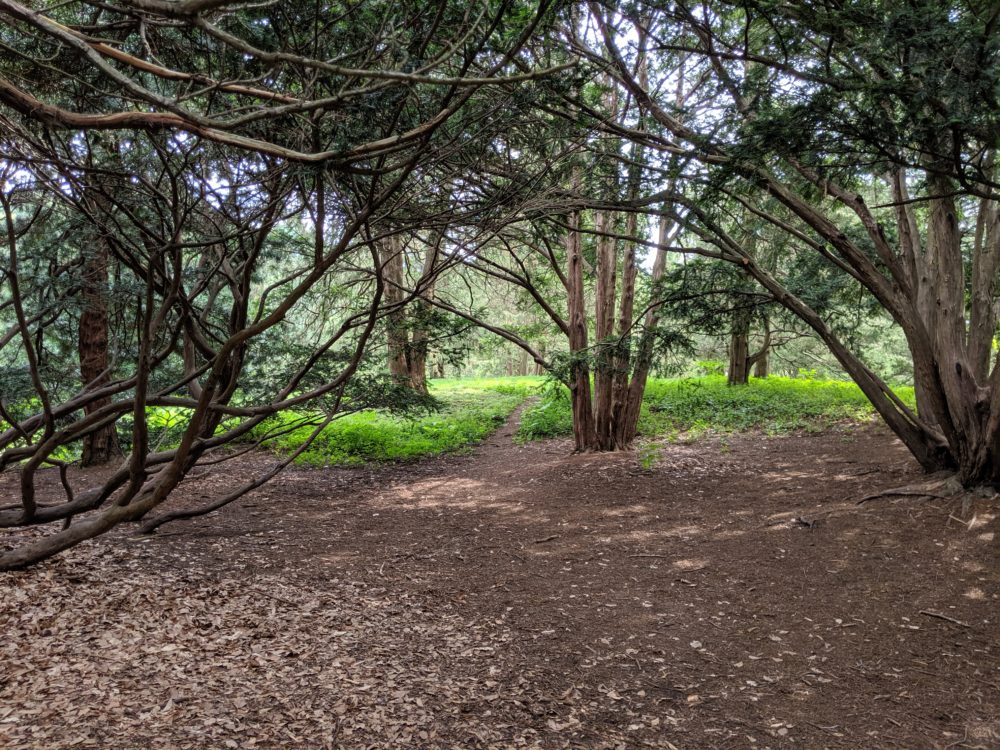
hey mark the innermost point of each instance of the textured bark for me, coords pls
(396, 335)
(982, 302)
(633, 367)
(101, 445)
(620, 434)
(760, 368)
(417, 350)
(584, 434)
(604, 320)
(739, 359)
(417, 365)
(628, 424)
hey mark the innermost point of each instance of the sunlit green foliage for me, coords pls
(469, 411)
(772, 404)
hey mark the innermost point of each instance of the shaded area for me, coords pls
(732, 595)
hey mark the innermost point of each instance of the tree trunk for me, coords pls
(623, 357)
(982, 302)
(628, 426)
(396, 335)
(628, 392)
(760, 368)
(417, 360)
(623, 430)
(584, 434)
(543, 350)
(522, 368)
(100, 446)
(759, 359)
(739, 352)
(417, 364)
(604, 319)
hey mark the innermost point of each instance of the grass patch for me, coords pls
(470, 410)
(773, 404)
(552, 416)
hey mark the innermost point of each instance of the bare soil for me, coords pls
(731, 595)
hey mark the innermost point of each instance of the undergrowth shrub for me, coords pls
(551, 416)
(469, 411)
(773, 404)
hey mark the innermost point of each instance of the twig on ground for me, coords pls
(831, 729)
(940, 616)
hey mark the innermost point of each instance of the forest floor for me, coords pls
(732, 595)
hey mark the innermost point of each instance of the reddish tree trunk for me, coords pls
(100, 446)
(628, 426)
(584, 435)
(604, 319)
(623, 357)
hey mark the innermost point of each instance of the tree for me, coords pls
(250, 174)
(867, 127)
(410, 318)
(100, 446)
(570, 238)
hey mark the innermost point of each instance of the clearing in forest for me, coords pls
(730, 595)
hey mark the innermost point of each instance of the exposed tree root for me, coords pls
(942, 486)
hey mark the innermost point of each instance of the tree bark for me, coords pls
(623, 427)
(584, 434)
(604, 319)
(396, 335)
(628, 426)
(760, 368)
(101, 445)
(522, 368)
(739, 358)
(621, 438)
(760, 359)
(982, 302)
(417, 359)
(741, 361)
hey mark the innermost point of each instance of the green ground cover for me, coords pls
(694, 405)
(470, 410)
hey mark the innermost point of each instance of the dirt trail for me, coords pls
(732, 595)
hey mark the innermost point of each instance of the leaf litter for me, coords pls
(413, 606)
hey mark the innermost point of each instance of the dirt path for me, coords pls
(523, 597)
